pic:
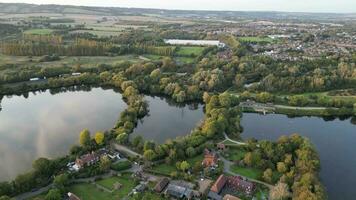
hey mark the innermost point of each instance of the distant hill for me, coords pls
(13, 8)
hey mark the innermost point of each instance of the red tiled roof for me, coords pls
(161, 185)
(219, 184)
(240, 184)
(230, 197)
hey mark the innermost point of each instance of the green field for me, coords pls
(190, 51)
(256, 39)
(44, 31)
(248, 172)
(88, 191)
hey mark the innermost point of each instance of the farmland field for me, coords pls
(44, 31)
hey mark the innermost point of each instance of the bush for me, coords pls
(121, 166)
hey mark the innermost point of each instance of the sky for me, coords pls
(342, 6)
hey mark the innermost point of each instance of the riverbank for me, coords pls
(254, 107)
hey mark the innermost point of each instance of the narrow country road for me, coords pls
(29, 195)
(299, 108)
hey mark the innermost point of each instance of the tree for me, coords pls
(53, 194)
(84, 138)
(149, 145)
(264, 97)
(240, 81)
(99, 138)
(280, 192)
(281, 167)
(105, 163)
(43, 167)
(5, 198)
(61, 181)
(137, 141)
(5, 188)
(122, 138)
(149, 155)
(184, 166)
(267, 175)
(190, 152)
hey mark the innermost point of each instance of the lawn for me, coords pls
(189, 51)
(126, 181)
(186, 60)
(88, 191)
(235, 153)
(39, 31)
(164, 168)
(248, 172)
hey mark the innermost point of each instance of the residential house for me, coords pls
(221, 146)
(210, 159)
(238, 183)
(179, 192)
(214, 196)
(161, 185)
(87, 160)
(235, 183)
(219, 184)
(72, 196)
(230, 197)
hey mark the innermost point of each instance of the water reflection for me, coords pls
(47, 123)
(334, 140)
(168, 120)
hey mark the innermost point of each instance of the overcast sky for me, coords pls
(244, 5)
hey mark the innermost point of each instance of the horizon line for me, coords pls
(171, 9)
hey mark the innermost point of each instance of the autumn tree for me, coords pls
(267, 175)
(84, 138)
(280, 192)
(99, 138)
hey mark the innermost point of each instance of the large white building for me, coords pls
(195, 42)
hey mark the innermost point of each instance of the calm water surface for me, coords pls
(167, 120)
(46, 125)
(334, 140)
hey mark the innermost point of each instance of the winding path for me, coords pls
(123, 148)
(233, 141)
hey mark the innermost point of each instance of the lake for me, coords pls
(168, 120)
(334, 140)
(44, 124)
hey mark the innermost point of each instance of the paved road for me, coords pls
(125, 149)
(227, 166)
(28, 195)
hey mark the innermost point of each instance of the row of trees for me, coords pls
(80, 47)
